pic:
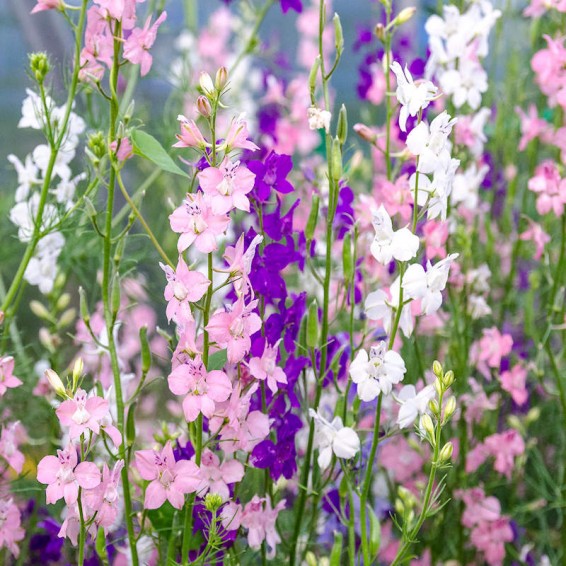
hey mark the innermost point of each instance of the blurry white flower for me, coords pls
(413, 404)
(401, 245)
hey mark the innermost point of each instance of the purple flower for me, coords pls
(271, 174)
(287, 5)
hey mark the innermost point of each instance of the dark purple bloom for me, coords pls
(287, 5)
(271, 174)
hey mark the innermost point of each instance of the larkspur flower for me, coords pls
(388, 244)
(7, 378)
(266, 369)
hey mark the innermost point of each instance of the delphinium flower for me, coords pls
(12, 436)
(7, 378)
(11, 531)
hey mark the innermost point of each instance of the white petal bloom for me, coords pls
(413, 404)
(33, 114)
(477, 307)
(401, 245)
(381, 306)
(318, 119)
(428, 285)
(333, 437)
(27, 176)
(23, 215)
(465, 186)
(413, 96)
(465, 84)
(377, 372)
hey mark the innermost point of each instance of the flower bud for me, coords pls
(448, 379)
(365, 133)
(437, 368)
(39, 310)
(55, 382)
(1, 317)
(67, 318)
(221, 79)
(380, 31)
(338, 34)
(203, 107)
(404, 16)
(450, 408)
(39, 66)
(433, 406)
(63, 301)
(78, 368)
(85, 315)
(206, 84)
(212, 502)
(97, 145)
(438, 387)
(428, 426)
(446, 453)
(342, 126)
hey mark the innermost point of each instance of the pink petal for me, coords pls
(47, 469)
(145, 463)
(87, 475)
(155, 494)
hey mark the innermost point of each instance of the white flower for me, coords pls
(478, 307)
(428, 285)
(333, 437)
(429, 142)
(23, 215)
(465, 84)
(65, 190)
(413, 404)
(42, 155)
(465, 186)
(377, 372)
(401, 245)
(318, 119)
(33, 115)
(27, 176)
(412, 96)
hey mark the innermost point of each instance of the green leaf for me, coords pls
(336, 554)
(217, 360)
(148, 147)
(162, 518)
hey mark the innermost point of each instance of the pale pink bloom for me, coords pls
(197, 224)
(490, 538)
(7, 378)
(87, 412)
(47, 5)
(11, 437)
(538, 236)
(190, 135)
(215, 476)
(11, 530)
(400, 459)
(232, 329)
(505, 447)
(559, 140)
(123, 148)
(240, 263)
(231, 516)
(64, 476)
(136, 47)
(514, 382)
(397, 197)
(377, 89)
(476, 457)
(260, 518)
(550, 188)
(532, 126)
(170, 480)
(183, 288)
(72, 524)
(490, 349)
(550, 73)
(105, 498)
(478, 507)
(186, 348)
(435, 235)
(477, 402)
(202, 389)
(227, 186)
(122, 10)
(237, 136)
(265, 368)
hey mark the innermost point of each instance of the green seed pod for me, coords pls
(336, 159)
(312, 79)
(347, 258)
(85, 315)
(115, 296)
(312, 325)
(342, 127)
(313, 218)
(145, 351)
(338, 35)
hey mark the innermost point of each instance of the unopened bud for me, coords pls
(342, 126)
(39, 66)
(448, 379)
(97, 144)
(338, 34)
(206, 84)
(404, 16)
(203, 107)
(212, 502)
(67, 317)
(221, 79)
(433, 405)
(55, 382)
(78, 368)
(39, 310)
(437, 368)
(46, 339)
(1, 317)
(450, 408)
(428, 426)
(85, 315)
(446, 453)
(438, 387)
(63, 301)
(380, 31)
(365, 133)
(533, 415)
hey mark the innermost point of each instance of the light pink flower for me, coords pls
(7, 378)
(538, 236)
(215, 476)
(227, 186)
(505, 447)
(231, 516)
(514, 382)
(260, 518)
(232, 329)
(435, 235)
(478, 507)
(197, 224)
(490, 538)
(64, 476)
(202, 389)
(183, 288)
(237, 136)
(11, 530)
(10, 439)
(170, 480)
(47, 5)
(532, 126)
(240, 263)
(265, 368)
(490, 349)
(123, 148)
(136, 47)
(190, 135)
(105, 499)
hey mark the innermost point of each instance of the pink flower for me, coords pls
(240, 263)
(490, 349)
(190, 135)
(231, 516)
(538, 236)
(121, 10)
(478, 507)
(11, 530)
(84, 413)
(490, 538)
(227, 186)
(170, 480)
(265, 368)
(47, 5)
(216, 476)
(105, 498)
(202, 389)
(123, 148)
(197, 224)
(64, 476)
(10, 439)
(435, 234)
(532, 126)
(260, 518)
(514, 381)
(183, 288)
(397, 197)
(7, 378)
(505, 447)
(237, 136)
(232, 329)
(136, 47)
(550, 188)
(549, 67)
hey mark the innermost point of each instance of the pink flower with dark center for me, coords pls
(227, 186)
(11, 530)
(7, 378)
(64, 476)
(136, 47)
(237, 136)
(265, 368)
(183, 288)
(105, 498)
(197, 224)
(202, 389)
(232, 329)
(216, 476)
(170, 480)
